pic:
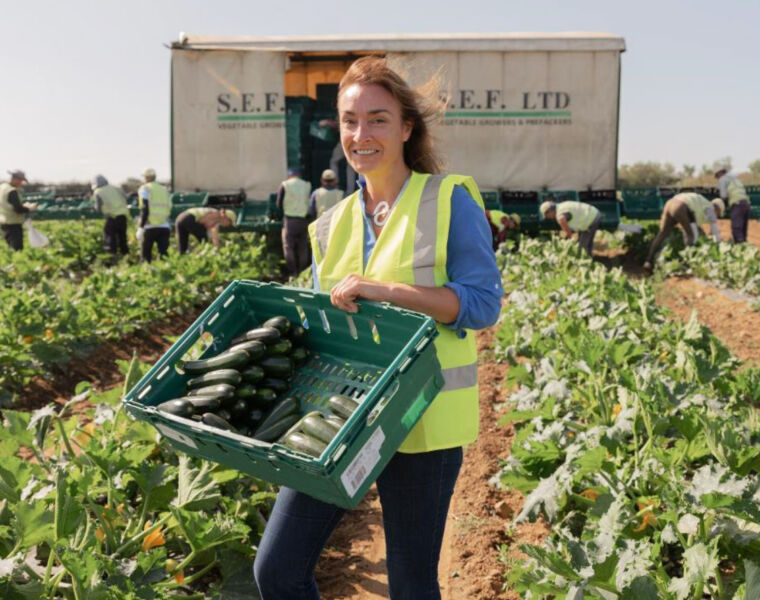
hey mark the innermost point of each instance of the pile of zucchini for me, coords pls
(245, 389)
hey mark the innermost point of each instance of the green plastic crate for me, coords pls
(382, 356)
(753, 191)
(642, 203)
(491, 199)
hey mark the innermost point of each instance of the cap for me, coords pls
(98, 181)
(329, 175)
(228, 213)
(719, 204)
(546, 207)
(18, 174)
(293, 171)
(515, 218)
(149, 173)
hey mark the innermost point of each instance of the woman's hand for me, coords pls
(345, 292)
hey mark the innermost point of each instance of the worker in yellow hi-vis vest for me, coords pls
(112, 202)
(503, 226)
(734, 195)
(325, 197)
(155, 208)
(575, 217)
(293, 201)
(418, 239)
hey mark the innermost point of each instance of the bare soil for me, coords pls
(353, 564)
(732, 321)
(753, 230)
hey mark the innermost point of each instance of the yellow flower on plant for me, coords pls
(180, 577)
(154, 538)
(28, 339)
(616, 410)
(647, 516)
(48, 334)
(590, 494)
(99, 534)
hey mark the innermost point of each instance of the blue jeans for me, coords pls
(415, 491)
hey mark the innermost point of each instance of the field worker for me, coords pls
(293, 201)
(419, 240)
(575, 217)
(13, 209)
(501, 225)
(112, 202)
(325, 197)
(686, 210)
(155, 207)
(732, 192)
(203, 222)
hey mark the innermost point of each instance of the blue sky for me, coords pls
(86, 83)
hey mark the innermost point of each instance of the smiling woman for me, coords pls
(420, 240)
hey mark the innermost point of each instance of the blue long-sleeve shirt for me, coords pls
(470, 262)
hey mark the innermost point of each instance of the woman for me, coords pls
(202, 222)
(426, 246)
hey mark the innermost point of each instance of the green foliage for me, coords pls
(634, 437)
(647, 174)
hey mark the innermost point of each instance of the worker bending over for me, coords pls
(686, 210)
(112, 202)
(575, 217)
(203, 222)
(503, 226)
(732, 192)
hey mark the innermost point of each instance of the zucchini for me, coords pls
(315, 425)
(299, 355)
(229, 376)
(202, 404)
(244, 430)
(301, 442)
(343, 406)
(179, 407)
(282, 347)
(225, 360)
(279, 386)
(253, 374)
(246, 391)
(271, 431)
(254, 349)
(222, 390)
(280, 323)
(255, 416)
(238, 409)
(280, 367)
(216, 421)
(263, 397)
(283, 408)
(225, 414)
(297, 334)
(335, 420)
(266, 335)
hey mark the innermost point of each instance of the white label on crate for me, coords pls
(364, 461)
(176, 435)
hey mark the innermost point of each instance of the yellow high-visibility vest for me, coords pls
(411, 249)
(325, 199)
(296, 200)
(8, 216)
(114, 201)
(583, 215)
(160, 203)
(698, 205)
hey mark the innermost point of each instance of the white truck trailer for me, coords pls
(526, 111)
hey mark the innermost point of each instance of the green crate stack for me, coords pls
(753, 191)
(299, 111)
(395, 379)
(525, 205)
(491, 199)
(607, 203)
(642, 203)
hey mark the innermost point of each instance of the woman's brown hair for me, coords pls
(416, 109)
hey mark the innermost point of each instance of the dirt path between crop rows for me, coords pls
(732, 321)
(352, 567)
(753, 230)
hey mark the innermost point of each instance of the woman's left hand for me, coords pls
(347, 290)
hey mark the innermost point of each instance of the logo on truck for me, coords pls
(250, 110)
(490, 107)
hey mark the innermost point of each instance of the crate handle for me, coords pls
(388, 393)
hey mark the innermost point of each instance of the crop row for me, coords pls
(635, 438)
(54, 319)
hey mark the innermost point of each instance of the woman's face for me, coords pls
(371, 130)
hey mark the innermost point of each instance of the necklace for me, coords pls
(381, 213)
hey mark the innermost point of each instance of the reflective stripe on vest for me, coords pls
(583, 215)
(200, 211)
(736, 192)
(325, 199)
(411, 249)
(159, 203)
(697, 204)
(296, 200)
(114, 202)
(8, 216)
